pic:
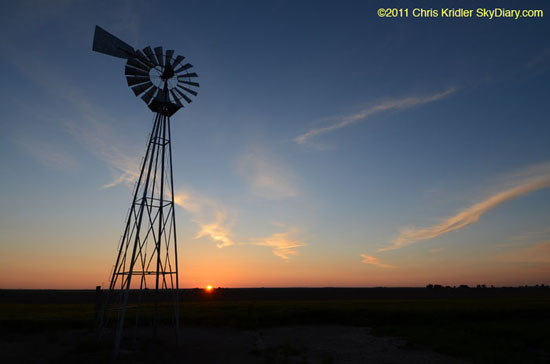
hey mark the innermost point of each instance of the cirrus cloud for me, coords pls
(216, 230)
(395, 104)
(282, 244)
(368, 259)
(209, 215)
(538, 178)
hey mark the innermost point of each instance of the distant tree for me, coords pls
(430, 286)
(463, 286)
(438, 286)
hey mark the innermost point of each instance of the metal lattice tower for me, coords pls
(145, 274)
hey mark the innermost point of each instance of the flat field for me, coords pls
(332, 325)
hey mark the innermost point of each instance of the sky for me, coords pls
(327, 146)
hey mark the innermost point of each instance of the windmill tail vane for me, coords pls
(148, 248)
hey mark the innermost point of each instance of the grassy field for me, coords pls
(485, 330)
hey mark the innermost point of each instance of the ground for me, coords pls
(296, 344)
(482, 325)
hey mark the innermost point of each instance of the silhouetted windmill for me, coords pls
(148, 249)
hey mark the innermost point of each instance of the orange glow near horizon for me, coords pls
(229, 275)
(238, 267)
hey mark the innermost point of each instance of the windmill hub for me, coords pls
(168, 73)
(161, 78)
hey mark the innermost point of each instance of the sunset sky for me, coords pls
(327, 146)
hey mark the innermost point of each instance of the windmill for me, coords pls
(146, 265)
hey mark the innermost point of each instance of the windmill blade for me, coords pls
(138, 90)
(137, 80)
(176, 99)
(177, 61)
(188, 75)
(134, 72)
(194, 93)
(149, 94)
(160, 57)
(184, 67)
(137, 64)
(106, 43)
(169, 55)
(143, 59)
(190, 83)
(186, 98)
(149, 53)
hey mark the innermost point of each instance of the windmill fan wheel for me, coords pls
(162, 81)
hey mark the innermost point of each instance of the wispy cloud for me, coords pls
(99, 138)
(396, 104)
(537, 253)
(215, 223)
(367, 259)
(90, 128)
(267, 175)
(539, 178)
(210, 216)
(282, 244)
(216, 230)
(187, 201)
(48, 154)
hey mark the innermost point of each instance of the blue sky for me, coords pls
(327, 146)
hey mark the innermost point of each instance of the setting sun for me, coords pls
(209, 288)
